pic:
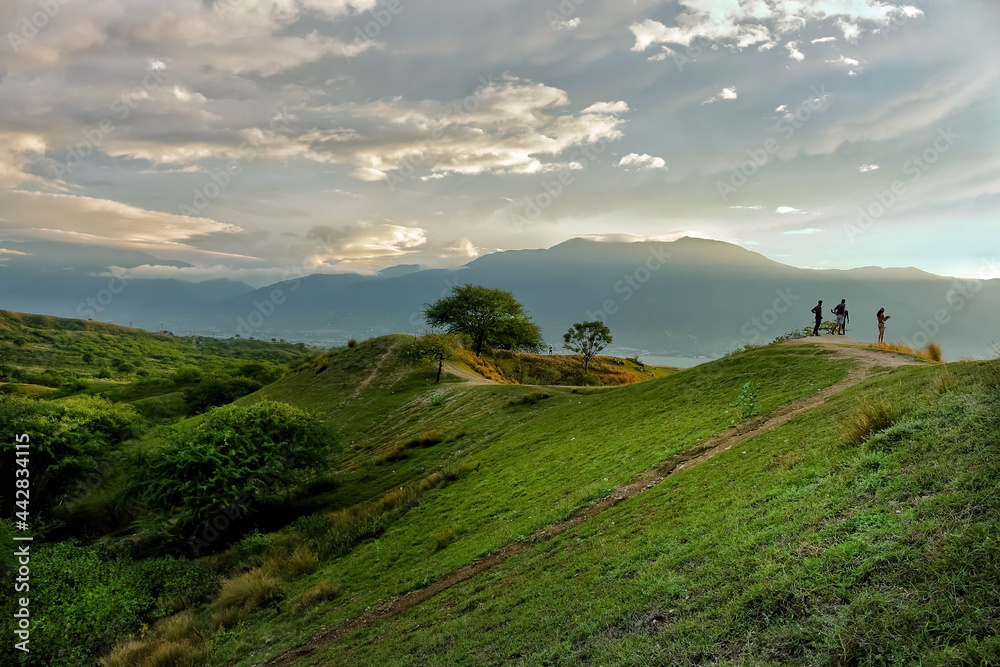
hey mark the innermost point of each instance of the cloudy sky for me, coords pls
(250, 138)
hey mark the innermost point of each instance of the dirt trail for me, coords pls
(371, 376)
(452, 367)
(844, 349)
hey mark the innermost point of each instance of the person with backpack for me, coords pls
(882, 317)
(840, 310)
(818, 312)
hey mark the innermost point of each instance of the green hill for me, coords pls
(798, 503)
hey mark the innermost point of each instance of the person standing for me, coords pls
(840, 311)
(882, 317)
(818, 312)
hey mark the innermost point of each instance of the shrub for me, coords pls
(218, 389)
(70, 439)
(437, 399)
(253, 546)
(233, 456)
(872, 414)
(747, 401)
(352, 343)
(529, 399)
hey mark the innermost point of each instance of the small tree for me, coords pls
(439, 347)
(490, 317)
(587, 338)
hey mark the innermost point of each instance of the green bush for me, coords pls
(218, 388)
(70, 440)
(86, 598)
(234, 455)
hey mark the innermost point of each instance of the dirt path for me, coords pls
(734, 435)
(452, 367)
(371, 376)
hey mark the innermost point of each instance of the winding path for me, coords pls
(844, 348)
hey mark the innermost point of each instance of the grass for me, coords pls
(559, 369)
(931, 351)
(858, 533)
(537, 463)
(798, 547)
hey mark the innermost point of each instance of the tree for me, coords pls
(490, 317)
(587, 338)
(431, 345)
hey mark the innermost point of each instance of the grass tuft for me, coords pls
(321, 592)
(443, 536)
(872, 414)
(248, 591)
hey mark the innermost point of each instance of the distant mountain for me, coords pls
(690, 297)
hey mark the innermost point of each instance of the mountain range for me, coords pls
(687, 298)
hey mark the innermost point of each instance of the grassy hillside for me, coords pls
(790, 504)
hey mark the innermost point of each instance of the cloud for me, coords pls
(762, 23)
(844, 60)
(642, 162)
(823, 40)
(91, 221)
(17, 151)
(756, 207)
(785, 210)
(460, 247)
(362, 243)
(513, 126)
(561, 25)
(724, 94)
(865, 168)
(807, 230)
(793, 51)
(5, 251)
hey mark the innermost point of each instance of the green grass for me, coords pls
(537, 464)
(793, 548)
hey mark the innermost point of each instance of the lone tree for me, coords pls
(430, 346)
(490, 317)
(587, 338)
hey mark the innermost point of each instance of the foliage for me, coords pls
(490, 317)
(587, 339)
(218, 388)
(233, 456)
(71, 440)
(85, 598)
(746, 403)
(438, 347)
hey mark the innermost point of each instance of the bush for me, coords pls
(70, 439)
(233, 456)
(352, 343)
(217, 389)
(84, 599)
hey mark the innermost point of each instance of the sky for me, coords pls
(251, 139)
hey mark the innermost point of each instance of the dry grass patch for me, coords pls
(443, 537)
(321, 592)
(157, 653)
(250, 590)
(931, 352)
(873, 414)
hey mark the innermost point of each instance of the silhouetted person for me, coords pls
(818, 312)
(840, 310)
(882, 317)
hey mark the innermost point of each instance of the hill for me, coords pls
(801, 503)
(807, 502)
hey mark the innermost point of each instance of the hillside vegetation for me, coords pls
(789, 504)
